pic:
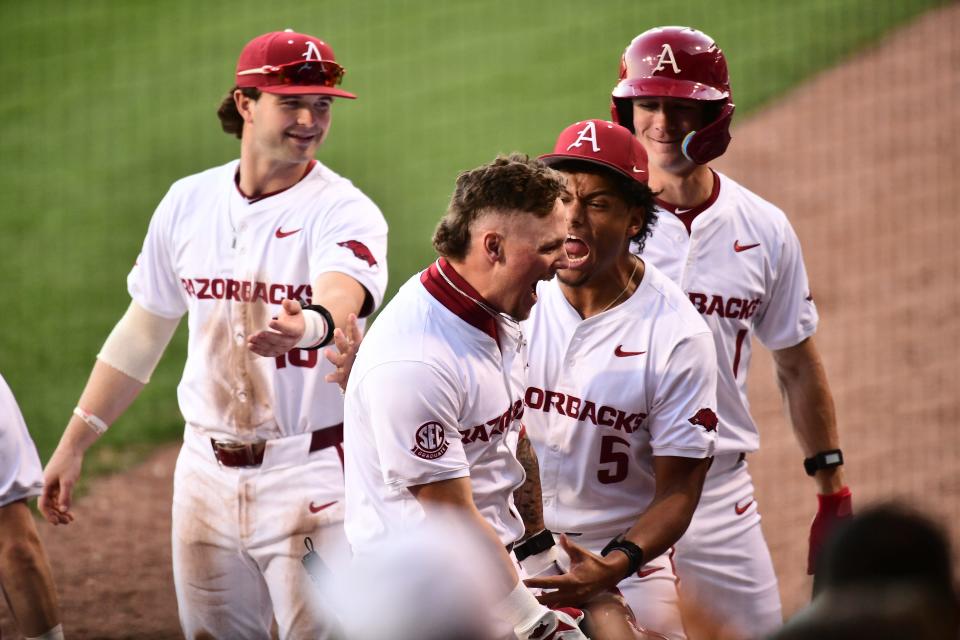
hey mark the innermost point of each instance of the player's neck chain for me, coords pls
(493, 312)
(636, 264)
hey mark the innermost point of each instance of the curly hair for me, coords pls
(511, 183)
(230, 119)
(633, 193)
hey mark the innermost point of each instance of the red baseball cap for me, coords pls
(604, 143)
(286, 62)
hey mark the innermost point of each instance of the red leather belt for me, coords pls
(236, 454)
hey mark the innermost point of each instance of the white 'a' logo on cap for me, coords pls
(666, 57)
(588, 133)
(312, 49)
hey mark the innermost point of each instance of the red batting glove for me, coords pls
(831, 509)
(561, 623)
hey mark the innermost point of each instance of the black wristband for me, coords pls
(328, 320)
(823, 460)
(633, 552)
(537, 543)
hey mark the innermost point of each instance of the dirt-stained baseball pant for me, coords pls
(723, 562)
(238, 541)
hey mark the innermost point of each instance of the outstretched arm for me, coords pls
(338, 293)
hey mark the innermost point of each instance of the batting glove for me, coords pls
(832, 508)
(555, 624)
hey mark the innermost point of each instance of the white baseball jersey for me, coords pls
(608, 393)
(229, 263)
(432, 397)
(742, 268)
(21, 475)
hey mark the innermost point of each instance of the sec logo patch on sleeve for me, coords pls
(431, 443)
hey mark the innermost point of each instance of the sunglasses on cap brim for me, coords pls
(306, 73)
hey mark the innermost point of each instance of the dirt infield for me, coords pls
(862, 159)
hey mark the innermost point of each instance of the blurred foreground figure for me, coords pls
(870, 587)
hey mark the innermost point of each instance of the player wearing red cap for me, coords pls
(621, 390)
(261, 466)
(739, 262)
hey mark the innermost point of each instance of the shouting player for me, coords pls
(261, 465)
(435, 395)
(621, 391)
(739, 262)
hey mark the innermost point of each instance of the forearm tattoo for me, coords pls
(529, 498)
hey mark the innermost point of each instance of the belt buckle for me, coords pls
(249, 457)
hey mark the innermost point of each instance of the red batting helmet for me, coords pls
(677, 62)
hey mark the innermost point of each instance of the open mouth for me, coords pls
(577, 251)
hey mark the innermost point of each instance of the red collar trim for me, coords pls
(687, 216)
(263, 196)
(462, 306)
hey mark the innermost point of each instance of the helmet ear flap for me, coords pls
(711, 141)
(621, 112)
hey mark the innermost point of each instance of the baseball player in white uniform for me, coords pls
(25, 575)
(261, 465)
(739, 261)
(435, 396)
(621, 376)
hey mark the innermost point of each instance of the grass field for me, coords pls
(108, 102)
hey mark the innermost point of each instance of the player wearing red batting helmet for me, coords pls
(232, 247)
(682, 63)
(740, 263)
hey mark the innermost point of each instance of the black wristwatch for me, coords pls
(823, 460)
(633, 552)
(537, 543)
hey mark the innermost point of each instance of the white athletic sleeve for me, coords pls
(410, 405)
(21, 475)
(153, 282)
(789, 317)
(682, 420)
(353, 241)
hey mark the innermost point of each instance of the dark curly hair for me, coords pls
(510, 183)
(633, 193)
(230, 119)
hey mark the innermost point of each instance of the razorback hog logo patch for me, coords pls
(360, 250)
(430, 442)
(706, 418)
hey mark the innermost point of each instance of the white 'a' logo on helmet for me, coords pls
(588, 133)
(312, 50)
(666, 57)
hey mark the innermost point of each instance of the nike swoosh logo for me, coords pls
(315, 509)
(643, 573)
(741, 510)
(635, 170)
(620, 353)
(283, 234)
(743, 247)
